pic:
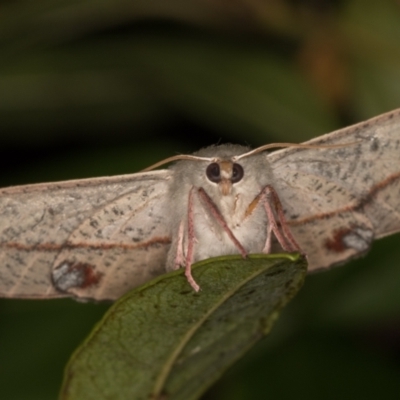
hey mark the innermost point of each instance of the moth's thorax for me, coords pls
(249, 228)
(234, 205)
(232, 185)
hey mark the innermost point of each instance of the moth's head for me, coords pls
(225, 174)
(220, 170)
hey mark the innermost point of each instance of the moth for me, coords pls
(328, 198)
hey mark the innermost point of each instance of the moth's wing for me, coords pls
(338, 200)
(92, 238)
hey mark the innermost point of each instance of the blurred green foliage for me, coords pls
(99, 88)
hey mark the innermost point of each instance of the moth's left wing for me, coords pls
(91, 238)
(337, 200)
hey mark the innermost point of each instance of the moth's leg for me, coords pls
(272, 226)
(209, 204)
(179, 256)
(285, 239)
(269, 199)
(268, 241)
(191, 239)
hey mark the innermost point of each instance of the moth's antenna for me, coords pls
(249, 153)
(177, 158)
(294, 145)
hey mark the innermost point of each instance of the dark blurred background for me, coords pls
(100, 88)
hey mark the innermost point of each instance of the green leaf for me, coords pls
(164, 339)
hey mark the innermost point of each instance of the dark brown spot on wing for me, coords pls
(358, 238)
(335, 242)
(69, 275)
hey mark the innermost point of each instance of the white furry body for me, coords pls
(211, 240)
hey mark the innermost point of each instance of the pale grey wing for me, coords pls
(338, 200)
(93, 238)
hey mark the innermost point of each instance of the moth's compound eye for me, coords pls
(213, 173)
(237, 173)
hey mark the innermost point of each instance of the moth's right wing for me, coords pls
(91, 238)
(338, 200)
